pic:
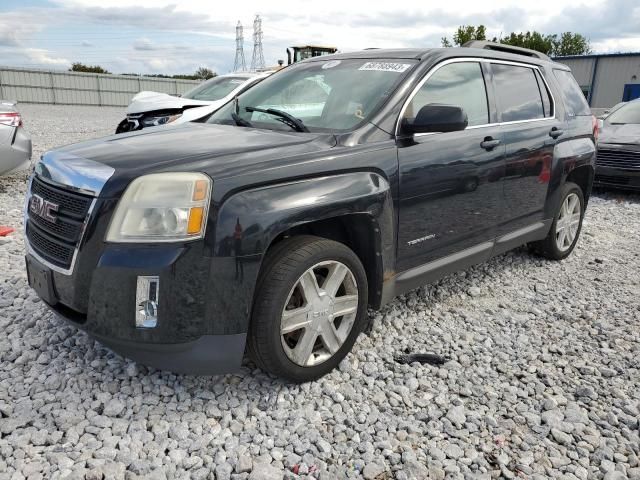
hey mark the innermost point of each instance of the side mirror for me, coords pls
(437, 117)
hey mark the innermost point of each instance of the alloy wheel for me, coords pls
(568, 222)
(319, 313)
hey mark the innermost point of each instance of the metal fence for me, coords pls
(76, 88)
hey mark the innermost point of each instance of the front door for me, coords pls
(450, 189)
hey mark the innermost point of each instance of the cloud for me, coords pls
(144, 44)
(43, 57)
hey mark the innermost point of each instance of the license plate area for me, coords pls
(41, 280)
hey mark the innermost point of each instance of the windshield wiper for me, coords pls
(238, 120)
(284, 117)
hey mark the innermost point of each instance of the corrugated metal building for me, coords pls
(606, 79)
(75, 88)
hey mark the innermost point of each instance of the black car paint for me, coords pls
(274, 181)
(622, 141)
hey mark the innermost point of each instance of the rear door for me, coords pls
(530, 131)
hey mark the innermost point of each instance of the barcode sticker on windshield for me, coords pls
(385, 66)
(236, 82)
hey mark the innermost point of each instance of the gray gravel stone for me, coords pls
(541, 376)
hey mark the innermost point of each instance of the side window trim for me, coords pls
(482, 61)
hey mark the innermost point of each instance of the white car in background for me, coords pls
(153, 109)
(15, 142)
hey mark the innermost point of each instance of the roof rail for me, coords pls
(501, 47)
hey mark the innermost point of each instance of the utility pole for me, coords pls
(239, 65)
(257, 60)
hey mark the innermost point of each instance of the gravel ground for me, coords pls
(542, 375)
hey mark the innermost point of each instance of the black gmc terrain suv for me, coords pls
(331, 186)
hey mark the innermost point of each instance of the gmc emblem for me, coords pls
(43, 208)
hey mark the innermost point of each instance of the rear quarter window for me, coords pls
(572, 94)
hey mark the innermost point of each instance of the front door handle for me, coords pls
(489, 143)
(555, 132)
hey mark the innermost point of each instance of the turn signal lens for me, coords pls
(200, 191)
(195, 220)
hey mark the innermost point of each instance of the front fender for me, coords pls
(249, 221)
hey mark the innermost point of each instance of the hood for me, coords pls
(217, 150)
(623, 134)
(151, 101)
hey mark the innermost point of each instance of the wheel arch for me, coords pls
(353, 208)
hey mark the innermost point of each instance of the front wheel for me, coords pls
(566, 227)
(310, 306)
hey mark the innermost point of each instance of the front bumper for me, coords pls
(201, 327)
(617, 178)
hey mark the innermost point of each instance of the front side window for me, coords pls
(460, 84)
(517, 93)
(214, 89)
(325, 95)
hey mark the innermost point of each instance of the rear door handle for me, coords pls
(555, 132)
(489, 143)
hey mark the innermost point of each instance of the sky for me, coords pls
(178, 36)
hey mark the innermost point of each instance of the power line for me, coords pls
(239, 65)
(257, 60)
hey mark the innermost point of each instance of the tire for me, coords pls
(552, 247)
(292, 268)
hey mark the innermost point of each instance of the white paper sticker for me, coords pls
(385, 66)
(331, 64)
(234, 82)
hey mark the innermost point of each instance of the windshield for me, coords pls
(215, 89)
(629, 113)
(327, 96)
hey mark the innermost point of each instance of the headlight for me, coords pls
(162, 207)
(160, 120)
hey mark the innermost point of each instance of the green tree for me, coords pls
(533, 40)
(464, 34)
(571, 44)
(81, 67)
(204, 73)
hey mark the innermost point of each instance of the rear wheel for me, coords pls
(566, 227)
(310, 306)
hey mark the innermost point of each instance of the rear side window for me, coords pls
(517, 93)
(460, 84)
(573, 97)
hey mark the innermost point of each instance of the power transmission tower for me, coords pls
(257, 60)
(239, 65)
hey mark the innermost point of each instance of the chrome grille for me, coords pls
(56, 241)
(621, 159)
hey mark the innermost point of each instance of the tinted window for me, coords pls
(517, 93)
(628, 113)
(573, 97)
(459, 84)
(546, 97)
(326, 95)
(215, 89)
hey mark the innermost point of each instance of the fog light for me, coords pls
(147, 295)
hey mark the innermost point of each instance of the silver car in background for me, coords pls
(153, 109)
(15, 142)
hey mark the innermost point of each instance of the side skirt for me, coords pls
(435, 270)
